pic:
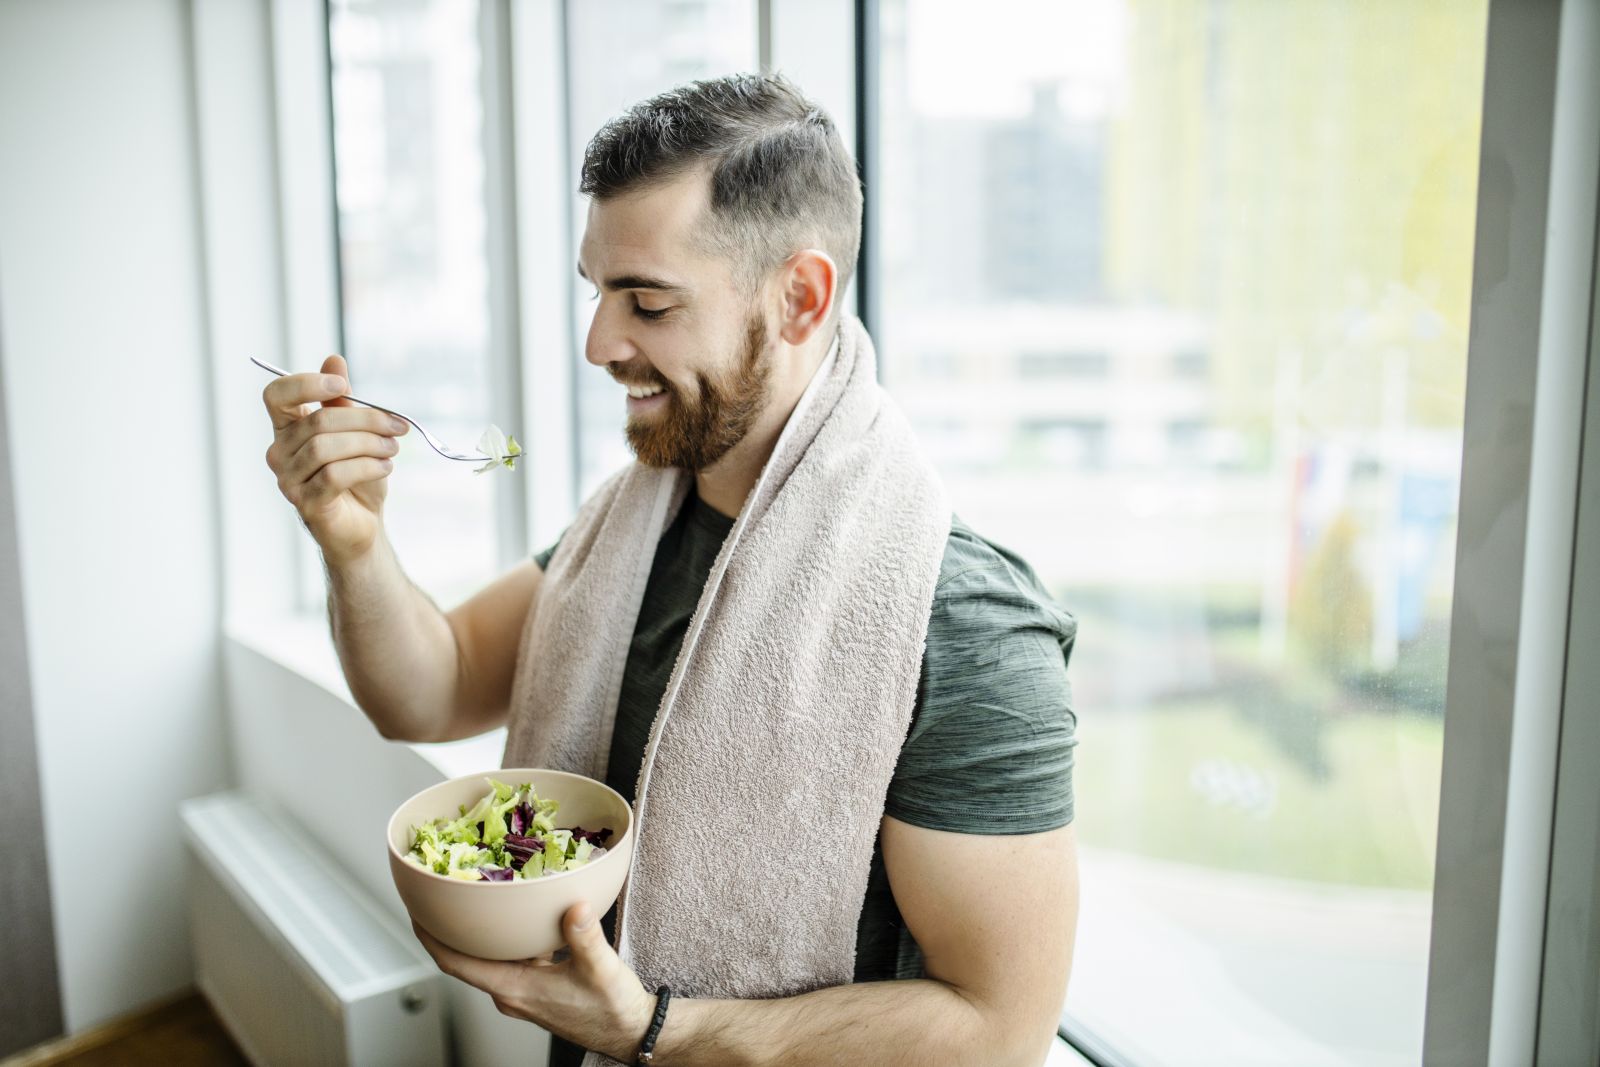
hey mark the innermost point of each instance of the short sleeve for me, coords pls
(990, 750)
(543, 558)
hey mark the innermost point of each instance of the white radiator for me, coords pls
(302, 967)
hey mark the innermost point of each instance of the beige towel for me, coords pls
(764, 778)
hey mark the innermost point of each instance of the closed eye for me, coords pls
(648, 314)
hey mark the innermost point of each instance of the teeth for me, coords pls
(639, 392)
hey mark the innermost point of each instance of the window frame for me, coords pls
(539, 87)
(503, 255)
(1530, 295)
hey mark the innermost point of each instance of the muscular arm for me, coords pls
(995, 917)
(418, 673)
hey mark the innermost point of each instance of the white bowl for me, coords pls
(519, 919)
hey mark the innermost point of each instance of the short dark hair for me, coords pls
(781, 177)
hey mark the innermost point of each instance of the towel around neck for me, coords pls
(763, 783)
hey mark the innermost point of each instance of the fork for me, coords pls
(438, 446)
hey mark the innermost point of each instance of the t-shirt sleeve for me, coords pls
(990, 749)
(543, 558)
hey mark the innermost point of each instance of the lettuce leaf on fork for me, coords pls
(500, 449)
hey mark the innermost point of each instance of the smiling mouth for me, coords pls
(641, 392)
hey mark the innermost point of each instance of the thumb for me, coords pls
(336, 365)
(585, 936)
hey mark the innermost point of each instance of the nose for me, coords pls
(605, 344)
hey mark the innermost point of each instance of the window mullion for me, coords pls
(505, 321)
(544, 295)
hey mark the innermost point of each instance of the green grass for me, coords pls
(1368, 818)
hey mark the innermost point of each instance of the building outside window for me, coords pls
(1259, 218)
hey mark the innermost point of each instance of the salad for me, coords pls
(509, 835)
(500, 449)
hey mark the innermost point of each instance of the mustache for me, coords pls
(641, 376)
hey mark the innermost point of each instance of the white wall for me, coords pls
(106, 393)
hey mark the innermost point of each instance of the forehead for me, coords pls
(649, 231)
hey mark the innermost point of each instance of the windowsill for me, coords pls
(301, 643)
(1064, 1055)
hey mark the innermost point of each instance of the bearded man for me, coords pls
(842, 717)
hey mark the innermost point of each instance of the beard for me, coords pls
(694, 433)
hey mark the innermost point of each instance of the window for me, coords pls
(1058, 443)
(1186, 440)
(622, 53)
(409, 159)
(1191, 364)
(1046, 365)
(1261, 217)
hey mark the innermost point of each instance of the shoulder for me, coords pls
(991, 740)
(987, 592)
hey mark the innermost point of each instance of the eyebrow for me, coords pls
(636, 281)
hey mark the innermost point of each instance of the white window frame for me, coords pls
(506, 355)
(544, 176)
(303, 109)
(1533, 285)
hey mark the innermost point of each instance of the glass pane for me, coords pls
(1177, 294)
(623, 52)
(408, 146)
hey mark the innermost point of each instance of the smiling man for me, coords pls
(842, 716)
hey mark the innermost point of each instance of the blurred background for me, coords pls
(1175, 292)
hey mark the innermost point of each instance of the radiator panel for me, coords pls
(301, 967)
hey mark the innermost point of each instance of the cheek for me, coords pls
(680, 372)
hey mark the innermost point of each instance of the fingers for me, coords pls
(287, 396)
(333, 420)
(334, 478)
(326, 448)
(488, 975)
(336, 367)
(320, 454)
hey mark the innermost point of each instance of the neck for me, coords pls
(726, 483)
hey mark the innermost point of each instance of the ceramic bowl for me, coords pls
(518, 919)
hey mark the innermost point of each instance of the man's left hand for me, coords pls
(592, 998)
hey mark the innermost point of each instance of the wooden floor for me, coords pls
(178, 1033)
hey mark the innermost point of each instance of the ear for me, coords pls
(807, 290)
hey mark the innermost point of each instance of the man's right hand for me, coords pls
(332, 461)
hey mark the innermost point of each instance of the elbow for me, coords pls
(1034, 1053)
(1009, 1038)
(392, 727)
(394, 735)
(389, 732)
(1019, 1035)
(404, 734)
(1013, 1049)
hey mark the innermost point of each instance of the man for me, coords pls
(842, 717)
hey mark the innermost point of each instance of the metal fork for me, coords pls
(438, 446)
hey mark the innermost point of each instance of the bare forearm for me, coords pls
(917, 1023)
(397, 650)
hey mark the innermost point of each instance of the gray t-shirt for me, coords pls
(992, 733)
